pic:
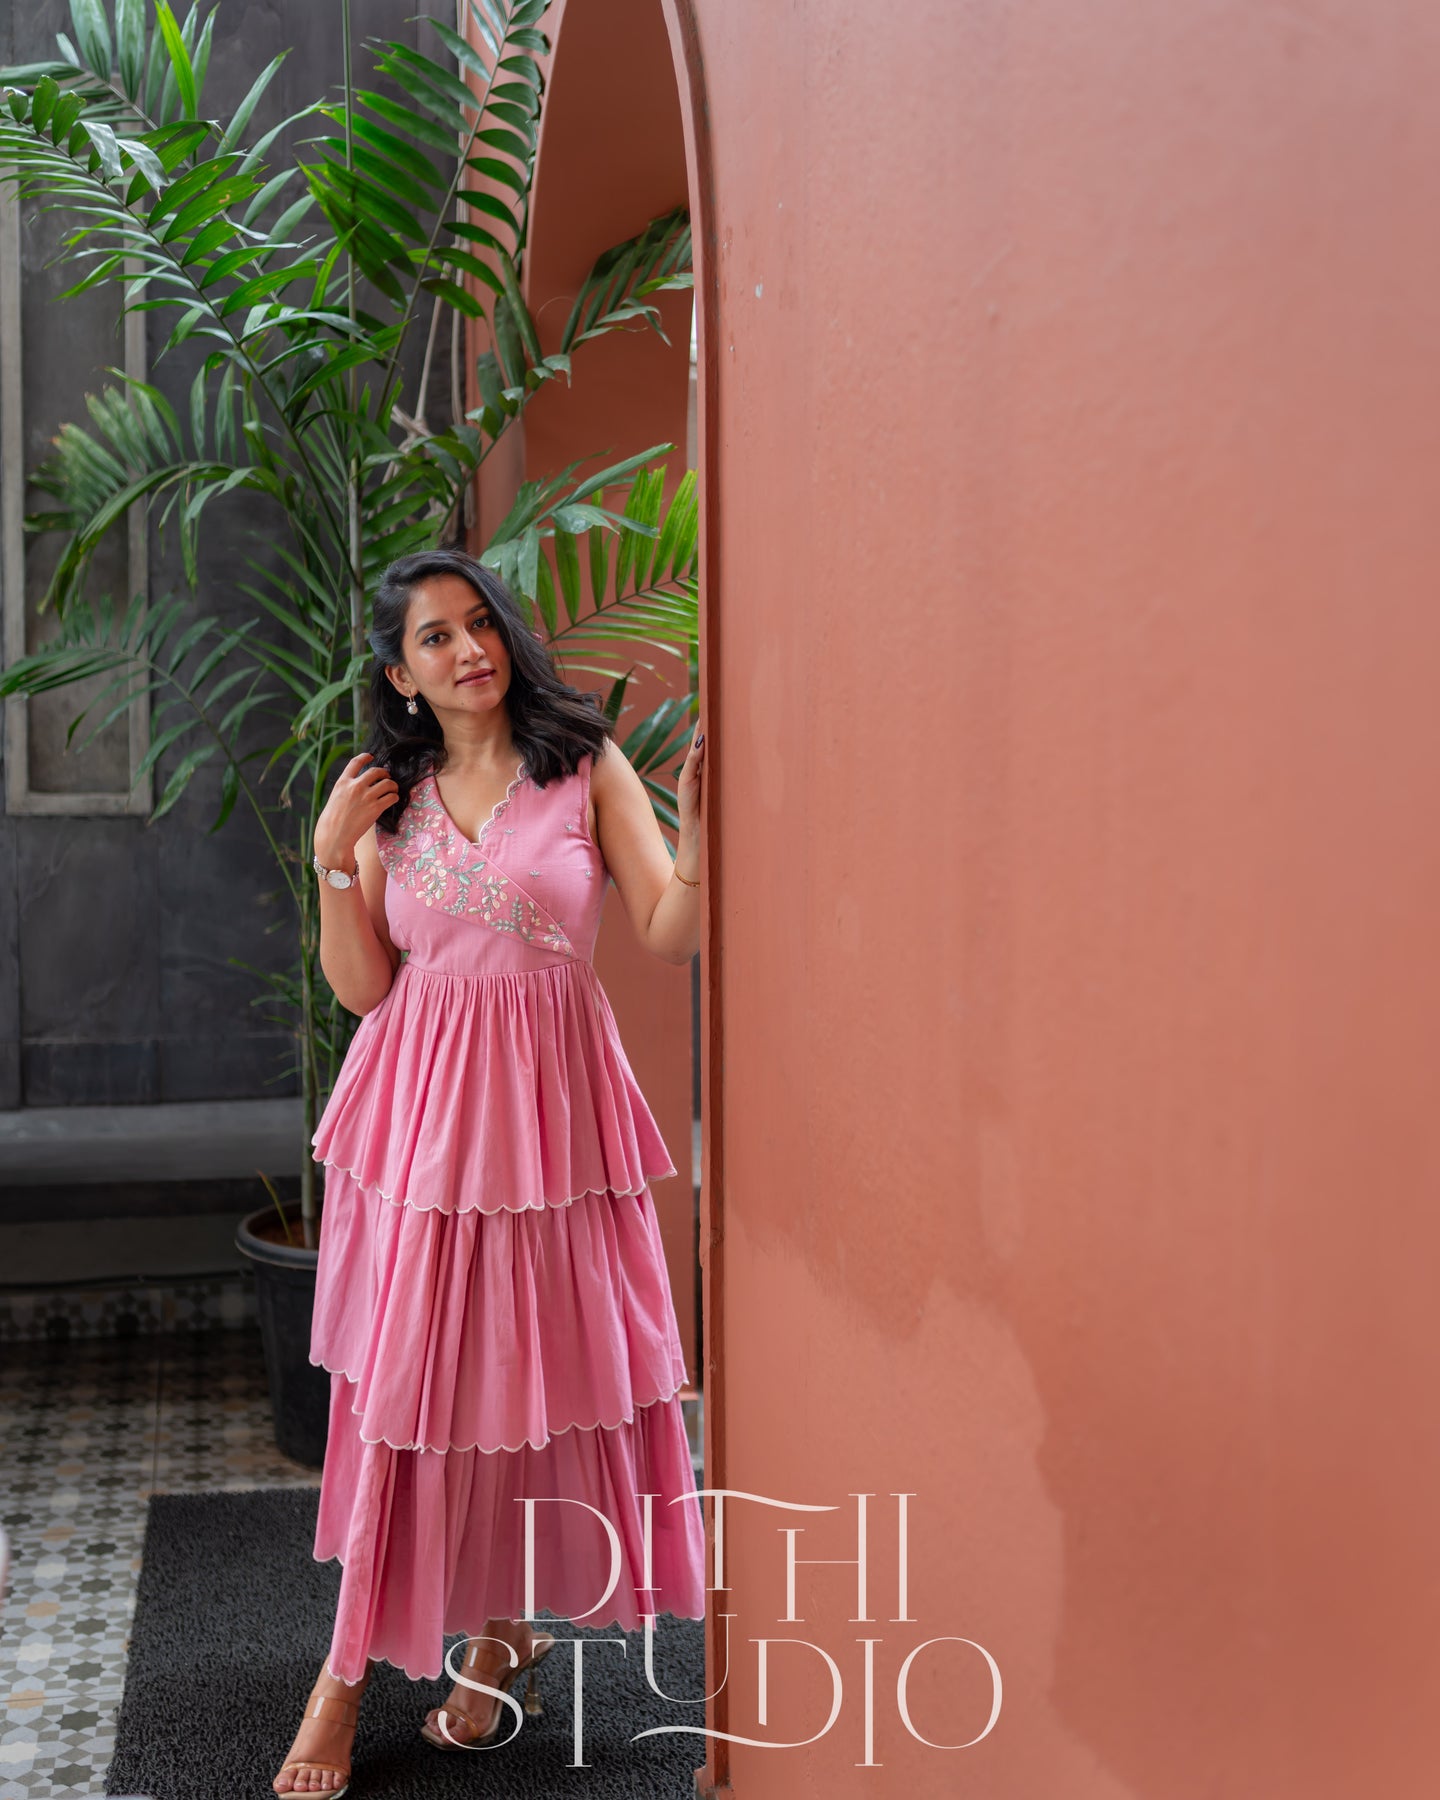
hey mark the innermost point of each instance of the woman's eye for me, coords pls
(484, 625)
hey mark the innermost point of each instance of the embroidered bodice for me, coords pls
(533, 884)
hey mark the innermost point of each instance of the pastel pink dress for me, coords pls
(491, 1299)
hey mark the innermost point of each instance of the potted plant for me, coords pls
(300, 284)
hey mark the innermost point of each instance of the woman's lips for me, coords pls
(473, 680)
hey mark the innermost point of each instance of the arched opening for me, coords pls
(612, 158)
(623, 141)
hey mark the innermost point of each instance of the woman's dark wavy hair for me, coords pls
(553, 724)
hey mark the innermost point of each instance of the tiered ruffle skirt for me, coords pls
(493, 1306)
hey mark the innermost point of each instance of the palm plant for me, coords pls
(301, 288)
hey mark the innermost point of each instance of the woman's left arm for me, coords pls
(664, 910)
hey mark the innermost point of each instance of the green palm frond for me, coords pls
(612, 294)
(396, 185)
(655, 741)
(649, 590)
(117, 77)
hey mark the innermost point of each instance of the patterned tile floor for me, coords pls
(90, 1427)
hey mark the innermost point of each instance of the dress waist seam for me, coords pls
(496, 974)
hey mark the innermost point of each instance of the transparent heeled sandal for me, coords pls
(477, 1656)
(343, 1712)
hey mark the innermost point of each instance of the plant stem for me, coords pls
(357, 571)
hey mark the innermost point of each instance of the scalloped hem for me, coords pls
(494, 1449)
(489, 1211)
(665, 1612)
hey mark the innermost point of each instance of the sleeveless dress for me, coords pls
(492, 1302)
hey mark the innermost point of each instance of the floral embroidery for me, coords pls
(430, 858)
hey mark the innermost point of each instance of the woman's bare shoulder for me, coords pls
(606, 766)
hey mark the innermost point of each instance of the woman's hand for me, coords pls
(687, 791)
(363, 790)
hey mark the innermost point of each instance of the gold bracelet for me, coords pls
(679, 877)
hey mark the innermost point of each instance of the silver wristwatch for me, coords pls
(336, 877)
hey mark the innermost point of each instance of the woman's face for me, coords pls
(454, 654)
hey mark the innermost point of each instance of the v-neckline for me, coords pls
(477, 843)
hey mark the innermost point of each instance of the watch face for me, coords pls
(338, 878)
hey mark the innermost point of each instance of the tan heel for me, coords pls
(475, 1664)
(532, 1695)
(315, 1708)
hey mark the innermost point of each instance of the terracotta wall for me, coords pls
(1077, 433)
(1069, 426)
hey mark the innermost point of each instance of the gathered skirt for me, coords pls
(477, 1359)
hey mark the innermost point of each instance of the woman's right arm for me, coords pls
(356, 954)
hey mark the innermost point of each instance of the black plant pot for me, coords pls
(285, 1300)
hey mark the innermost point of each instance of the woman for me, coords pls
(491, 1298)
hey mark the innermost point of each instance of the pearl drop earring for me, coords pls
(410, 705)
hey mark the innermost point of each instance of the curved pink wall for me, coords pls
(1074, 881)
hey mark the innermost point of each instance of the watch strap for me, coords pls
(323, 872)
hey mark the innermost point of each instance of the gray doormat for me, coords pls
(233, 1620)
